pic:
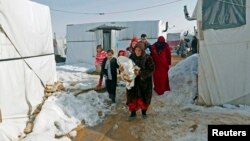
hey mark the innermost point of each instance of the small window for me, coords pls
(222, 14)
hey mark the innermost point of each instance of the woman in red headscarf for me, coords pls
(133, 42)
(161, 54)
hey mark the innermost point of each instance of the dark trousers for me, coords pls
(111, 88)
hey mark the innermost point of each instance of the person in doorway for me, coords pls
(139, 96)
(161, 54)
(147, 45)
(109, 72)
(130, 49)
(100, 55)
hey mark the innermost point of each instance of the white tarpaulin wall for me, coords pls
(28, 26)
(60, 46)
(224, 63)
(81, 44)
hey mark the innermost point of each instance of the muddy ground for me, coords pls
(167, 121)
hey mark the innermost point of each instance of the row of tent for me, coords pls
(88, 42)
(223, 33)
(27, 61)
(224, 51)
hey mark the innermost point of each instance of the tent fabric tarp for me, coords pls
(79, 40)
(224, 63)
(28, 27)
(221, 15)
(61, 46)
(79, 32)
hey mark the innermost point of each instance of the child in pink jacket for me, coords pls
(100, 55)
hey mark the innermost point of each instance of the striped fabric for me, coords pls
(99, 57)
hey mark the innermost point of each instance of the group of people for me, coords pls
(183, 47)
(154, 62)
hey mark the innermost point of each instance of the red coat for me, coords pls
(161, 55)
(100, 57)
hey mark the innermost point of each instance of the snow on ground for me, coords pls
(172, 116)
(75, 77)
(182, 79)
(10, 129)
(63, 111)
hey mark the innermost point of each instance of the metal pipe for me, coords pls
(187, 14)
(165, 30)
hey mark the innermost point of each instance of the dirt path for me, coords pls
(116, 127)
(167, 121)
(175, 59)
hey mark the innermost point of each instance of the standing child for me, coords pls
(109, 72)
(100, 55)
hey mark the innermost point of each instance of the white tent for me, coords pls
(81, 44)
(26, 62)
(60, 46)
(224, 52)
(173, 40)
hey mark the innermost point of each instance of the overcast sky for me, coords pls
(165, 10)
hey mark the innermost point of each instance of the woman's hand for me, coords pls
(137, 72)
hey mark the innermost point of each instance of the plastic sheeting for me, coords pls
(81, 52)
(79, 32)
(224, 63)
(223, 14)
(28, 26)
(60, 47)
(81, 43)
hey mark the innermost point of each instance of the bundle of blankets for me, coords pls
(128, 72)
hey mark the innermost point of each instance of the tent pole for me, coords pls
(16, 117)
(0, 116)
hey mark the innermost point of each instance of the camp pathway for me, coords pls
(166, 122)
(116, 126)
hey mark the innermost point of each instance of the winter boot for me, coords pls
(144, 115)
(132, 116)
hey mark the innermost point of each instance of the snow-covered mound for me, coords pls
(63, 112)
(183, 79)
(81, 67)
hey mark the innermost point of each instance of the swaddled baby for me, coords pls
(127, 74)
